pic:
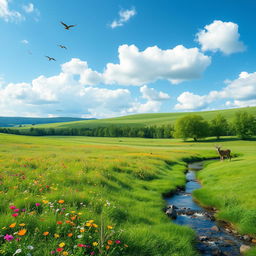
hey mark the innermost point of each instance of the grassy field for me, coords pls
(142, 120)
(103, 196)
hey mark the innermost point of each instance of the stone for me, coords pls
(246, 238)
(215, 228)
(244, 248)
(171, 211)
(203, 238)
(254, 240)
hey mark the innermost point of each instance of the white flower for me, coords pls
(29, 254)
(17, 251)
(30, 247)
(79, 236)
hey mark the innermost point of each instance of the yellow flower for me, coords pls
(73, 211)
(56, 235)
(110, 242)
(109, 227)
(12, 225)
(46, 233)
(22, 224)
(90, 221)
(22, 232)
(61, 201)
(61, 245)
(88, 224)
(80, 213)
(3, 227)
(82, 230)
(65, 253)
(45, 201)
(95, 243)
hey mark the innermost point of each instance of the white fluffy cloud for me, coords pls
(240, 92)
(124, 16)
(7, 14)
(65, 94)
(28, 8)
(141, 67)
(220, 36)
(24, 41)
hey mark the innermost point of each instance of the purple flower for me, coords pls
(8, 237)
(23, 210)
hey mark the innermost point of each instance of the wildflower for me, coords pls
(23, 210)
(65, 253)
(16, 210)
(95, 243)
(79, 236)
(92, 253)
(94, 225)
(73, 211)
(109, 227)
(126, 245)
(88, 224)
(45, 201)
(62, 245)
(22, 232)
(81, 245)
(73, 218)
(56, 235)
(12, 225)
(22, 224)
(61, 201)
(30, 247)
(8, 237)
(91, 221)
(82, 230)
(59, 249)
(38, 204)
(70, 235)
(18, 251)
(110, 242)
(107, 247)
(12, 207)
(15, 215)
(118, 242)
(80, 213)
(46, 233)
(52, 252)
(59, 222)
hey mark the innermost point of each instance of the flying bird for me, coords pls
(62, 46)
(50, 58)
(67, 27)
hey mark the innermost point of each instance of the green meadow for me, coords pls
(104, 196)
(142, 120)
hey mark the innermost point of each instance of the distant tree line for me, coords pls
(189, 126)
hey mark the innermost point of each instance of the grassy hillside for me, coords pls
(106, 191)
(144, 119)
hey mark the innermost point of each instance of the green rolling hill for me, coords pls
(141, 120)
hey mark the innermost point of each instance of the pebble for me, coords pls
(244, 248)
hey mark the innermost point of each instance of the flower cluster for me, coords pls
(71, 235)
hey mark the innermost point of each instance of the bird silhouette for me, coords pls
(67, 27)
(62, 46)
(50, 58)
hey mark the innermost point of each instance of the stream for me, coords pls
(212, 237)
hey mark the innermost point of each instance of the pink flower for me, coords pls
(52, 252)
(81, 245)
(118, 242)
(92, 253)
(16, 210)
(38, 204)
(23, 210)
(8, 237)
(12, 207)
(15, 215)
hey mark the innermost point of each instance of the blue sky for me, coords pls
(126, 57)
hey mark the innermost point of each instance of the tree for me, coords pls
(244, 124)
(219, 126)
(191, 126)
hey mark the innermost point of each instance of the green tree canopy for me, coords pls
(244, 124)
(219, 126)
(191, 126)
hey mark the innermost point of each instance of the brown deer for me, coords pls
(224, 153)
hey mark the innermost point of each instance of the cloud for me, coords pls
(220, 36)
(240, 92)
(141, 67)
(28, 8)
(65, 94)
(24, 41)
(7, 14)
(124, 16)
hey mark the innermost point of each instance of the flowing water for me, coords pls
(213, 238)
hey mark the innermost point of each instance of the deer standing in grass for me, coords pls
(224, 153)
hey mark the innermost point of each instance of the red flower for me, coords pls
(15, 215)
(59, 249)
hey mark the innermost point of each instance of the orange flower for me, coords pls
(61, 201)
(59, 222)
(107, 247)
(68, 221)
(12, 225)
(94, 225)
(46, 233)
(110, 242)
(73, 218)
(70, 235)
(109, 227)
(22, 224)
(22, 232)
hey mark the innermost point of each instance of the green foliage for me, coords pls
(219, 126)
(244, 124)
(191, 126)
